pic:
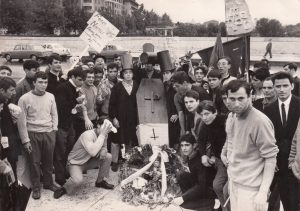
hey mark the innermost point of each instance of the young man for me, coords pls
(5, 71)
(212, 133)
(214, 80)
(98, 70)
(25, 85)
(251, 151)
(55, 73)
(100, 61)
(86, 120)
(197, 193)
(37, 127)
(291, 68)
(89, 152)
(285, 114)
(66, 98)
(224, 65)
(181, 84)
(257, 83)
(191, 102)
(269, 95)
(103, 97)
(173, 123)
(199, 73)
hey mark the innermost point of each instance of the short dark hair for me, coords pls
(214, 74)
(187, 138)
(78, 72)
(193, 94)
(282, 75)
(206, 105)
(235, 85)
(4, 67)
(89, 71)
(180, 77)
(112, 65)
(99, 56)
(291, 66)
(261, 64)
(261, 73)
(6, 83)
(226, 58)
(52, 57)
(29, 64)
(204, 70)
(41, 75)
(87, 60)
(98, 69)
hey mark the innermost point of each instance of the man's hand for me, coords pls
(28, 147)
(105, 128)
(224, 160)
(178, 201)
(260, 202)
(174, 118)
(88, 124)
(116, 123)
(205, 160)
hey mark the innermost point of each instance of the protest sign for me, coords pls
(99, 32)
(238, 18)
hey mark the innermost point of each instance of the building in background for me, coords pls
(117, 6)
(130, 6)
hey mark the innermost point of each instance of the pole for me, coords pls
(246, 57)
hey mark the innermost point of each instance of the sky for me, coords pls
(199, 11)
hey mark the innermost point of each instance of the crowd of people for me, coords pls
(240, 140)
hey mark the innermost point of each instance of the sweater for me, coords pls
(251, 141)
(87, 146)
(39, 114)
(90, 96)
(294, 158)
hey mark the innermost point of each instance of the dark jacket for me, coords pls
(284, 135)
(200, 193)
(296, 90)
(54, 82)
(65, 97)
(213, 135)
(24, 86)
(124, 107)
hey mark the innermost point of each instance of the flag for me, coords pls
(238, 50)
(237, 17)
(217, 52)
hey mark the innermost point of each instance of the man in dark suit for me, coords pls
(284, 113)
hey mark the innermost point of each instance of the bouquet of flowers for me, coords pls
(149, 175)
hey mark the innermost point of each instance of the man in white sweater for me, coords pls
(89, 152)
(37, 126)
(250, 151)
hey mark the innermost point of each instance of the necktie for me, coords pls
(283, 114)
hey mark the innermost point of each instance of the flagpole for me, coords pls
(246, 57)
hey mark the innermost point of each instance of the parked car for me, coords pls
(109, 52)
(65, 53)
(27, 51)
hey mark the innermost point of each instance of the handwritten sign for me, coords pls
(99, 32)
(238, 18)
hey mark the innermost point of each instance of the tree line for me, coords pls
(45, 17)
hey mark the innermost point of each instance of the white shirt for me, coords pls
(286, 106)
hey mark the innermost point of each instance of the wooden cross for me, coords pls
(152, 98)
(154, 136)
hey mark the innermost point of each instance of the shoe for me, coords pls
(36, 194)
(104, 184)
(51, 187)
(59, 192)
(114, 166)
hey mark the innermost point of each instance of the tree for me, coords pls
(269, 28)
(12, 16)
(166, 20)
